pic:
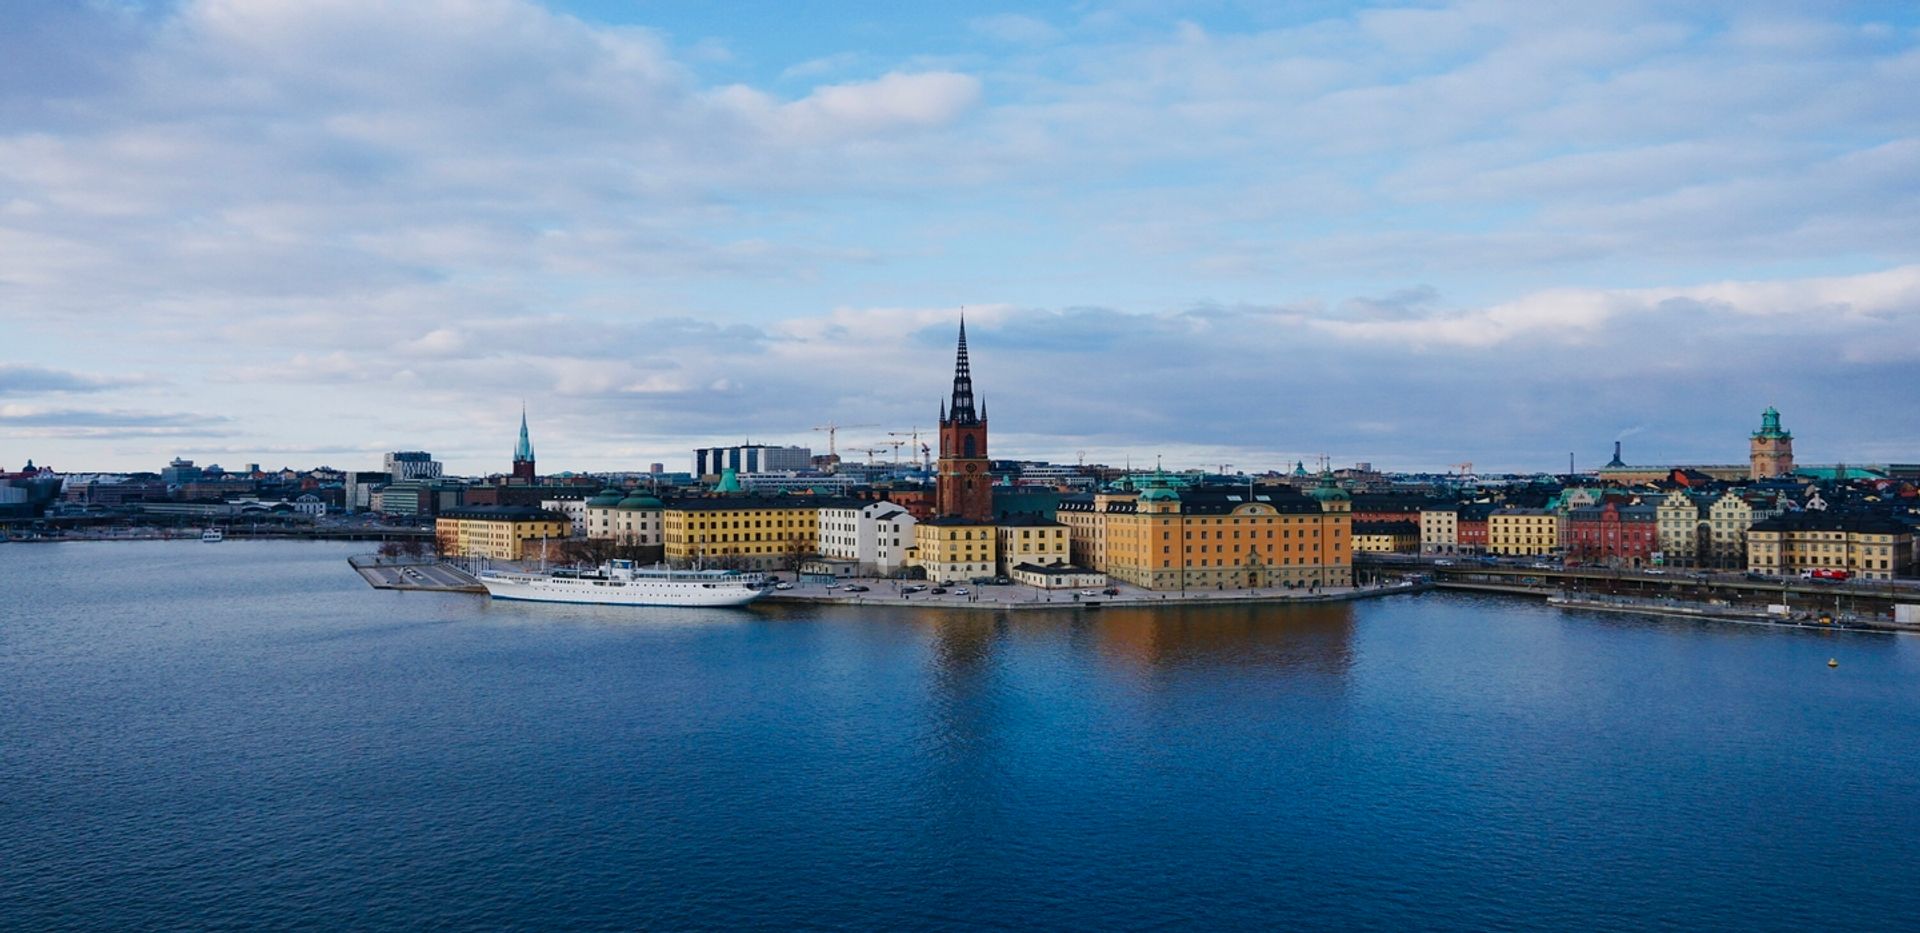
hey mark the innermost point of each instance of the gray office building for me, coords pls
(750, 458)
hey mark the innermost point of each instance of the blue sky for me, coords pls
(1412, 234)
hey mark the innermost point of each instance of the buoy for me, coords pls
(1833, 662)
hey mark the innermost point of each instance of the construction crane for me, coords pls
(926, 458)
(869, 451)
(895, 444)
(1463, 468)
(912, 434)
(833, 431)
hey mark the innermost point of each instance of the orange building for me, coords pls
(1214, 538)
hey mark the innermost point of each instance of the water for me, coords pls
(244, 735)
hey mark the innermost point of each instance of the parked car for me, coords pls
(1443, 563)
(855, 588)
(961, 591)
(939, 591)
(1002, 581)
(1111, 591)
(913, 588)
(1089, 592)
(783, 585)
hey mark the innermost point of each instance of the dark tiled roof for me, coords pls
(500, 513)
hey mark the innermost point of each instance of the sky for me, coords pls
(303, 232)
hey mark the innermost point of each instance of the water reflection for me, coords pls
(1314, 639)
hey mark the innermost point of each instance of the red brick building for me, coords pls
(1613, 535)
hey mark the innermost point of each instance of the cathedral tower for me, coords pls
(964, 487)
(1771, 448)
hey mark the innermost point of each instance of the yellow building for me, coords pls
(1219, 538)
(1524, 532)
(747, 532)
(1795, 543)
(955, 550)
(500, 532)
(1440, 530)
(1030, 539)
(1386, 537)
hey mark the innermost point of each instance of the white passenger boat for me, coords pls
(621, 583)
(213, 534)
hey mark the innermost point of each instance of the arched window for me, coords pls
(967, 445)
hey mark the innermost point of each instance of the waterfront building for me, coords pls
(1728, 520)
(1868, 547)
(1213, 537)
(523, 470)
(747, 532)
(964, 485)
(751, 458)
(1472, 528)
(1612, 535)
(1397, 537)
(1681, 528)
(498, 532)
(1440, 530)
(878, 537)
(1771, 448)
(631, 521)
(1515, 532)
(954, 549)
(1030, 539)
(404, 465)
(1057, 577)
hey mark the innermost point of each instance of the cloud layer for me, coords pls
(1477, 230)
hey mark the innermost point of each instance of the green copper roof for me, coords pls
(640, 501)
(729, 482)
(1770, 426)
(1327, 489)
(523, 451)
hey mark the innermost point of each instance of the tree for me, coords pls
(413, 548)
(445, 542)
(592, 551)
(795, 551)
(389, 550)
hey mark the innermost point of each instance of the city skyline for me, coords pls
(1415, 236)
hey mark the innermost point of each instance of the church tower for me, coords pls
(964, 487)
(1771, 448)
(523, 453)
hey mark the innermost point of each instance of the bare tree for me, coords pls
(445, 543)
(593, 551)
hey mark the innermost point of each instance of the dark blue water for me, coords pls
(245, 735)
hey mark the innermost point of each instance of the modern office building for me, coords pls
(751, 458)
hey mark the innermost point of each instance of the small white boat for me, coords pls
(213, 534)
(621, 583)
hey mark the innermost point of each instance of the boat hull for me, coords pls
(637, 593)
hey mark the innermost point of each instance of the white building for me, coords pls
(624, 519)
(796, 481)
(404, 465)
(876, 535)
(574, 509)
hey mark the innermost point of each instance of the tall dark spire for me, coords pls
(961, 411)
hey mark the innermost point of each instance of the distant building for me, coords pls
(630, 520)
(1612, 535)
(404, 465)
(180, 472)
(523, 469)
(359, 486)
(1771, 448)
(1440, 530)
(749, 458)
(1399, 537)
(1523, 532)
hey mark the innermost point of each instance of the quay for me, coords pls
(425, 576)
(1015, 597)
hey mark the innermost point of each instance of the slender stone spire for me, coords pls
(961, 411)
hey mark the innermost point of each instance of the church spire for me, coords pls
(961, 411)
(523, 451)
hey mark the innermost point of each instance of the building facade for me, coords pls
(952, 549)
(1030, 539)
(1393, 537)
(500, 533)
(878, 537)
(750, 533)
(1870, 548)
(1440, 531)
(1523, 532)
(1613, 535)
(1213, 538)
(751, 458)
